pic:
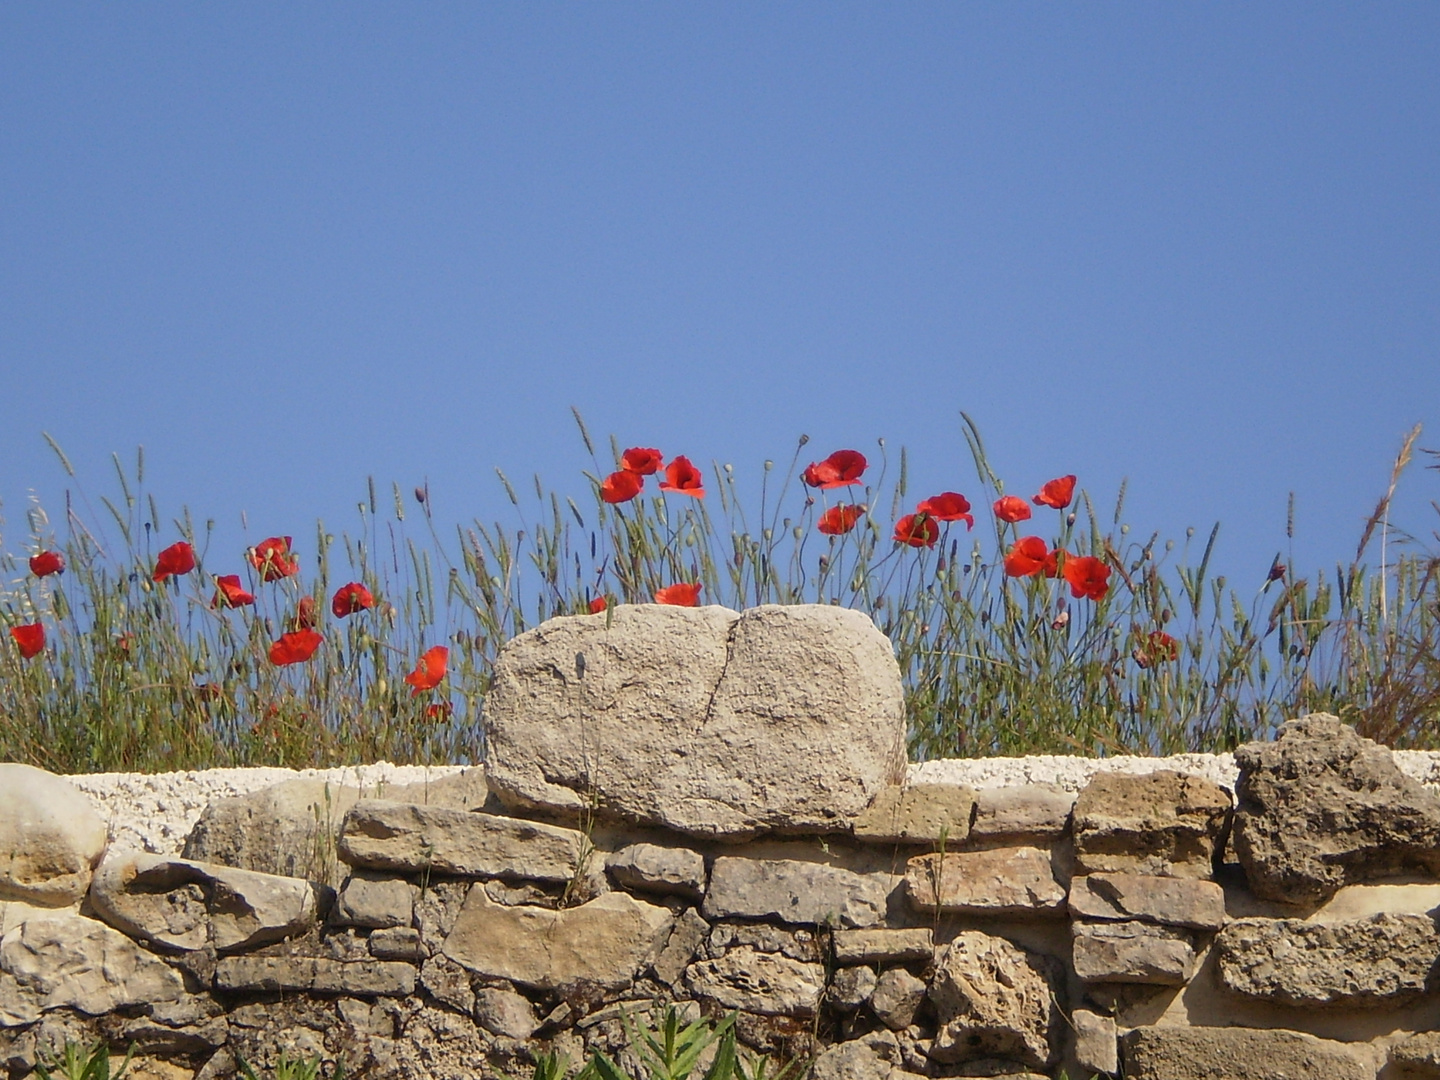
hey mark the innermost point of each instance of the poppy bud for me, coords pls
(420, 495)
(1070, 519)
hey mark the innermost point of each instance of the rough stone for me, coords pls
(1097, 1047)
(416, 839)
(376, 900)
(360, 978)
(701, 720)
(448, 983)
(1322, 807)
(689, 933)
(603, 943)
(993, 999)
(62, 959)
(1035, 812)
(1168, 901)
(1419, 1054)
(851, 987)
(883, 945)
(293, 828)
(758, 982)
(798, 944)
(51, 834)
(794, 892)
(870, 1058)
(896, 998)
(186, 905)
(665, 870)
(1231, 1053)
(1381, 960)
(397, 943)
(997, 881)
(1163, 822)
(921, 814)
(504, 1012)
(1132, 952)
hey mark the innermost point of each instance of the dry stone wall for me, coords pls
(1154, 925)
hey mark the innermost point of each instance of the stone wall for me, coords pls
(700, 808)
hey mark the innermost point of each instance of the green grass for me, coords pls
(146, 676)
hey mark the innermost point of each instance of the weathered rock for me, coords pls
(869, 1058)
(896, 998)
(504, 1012)
(758, 982)
(51, 836)
(997, 881)
(361, 978)
(1162, 822)
(603, 943)
(1419, 1054)
(794, 892)
(376, 900)
(785, 717)
(796, 943)
(148, 1036)
(1212, 1053)
(1322, 807)
(63, 960)
(1132, 952)
(993, 999)
(415, 839)
(1381, 960)
(293, 828)
(685, 940)
(881, 945)
(188, 905)
(654, 869)
(398, 943)
(1097, 1049)
(1035, 812)
(448, 983)
(922, 814)
(1148, 898)
(851, 987)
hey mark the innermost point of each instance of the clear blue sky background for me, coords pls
(288, 246)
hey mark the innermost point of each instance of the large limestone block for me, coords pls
(783, 718)
(414, 839)
(1381, 960)
(292, 828)
(1038, 811)
(993, 1000)
(1212, 1053)
(188, 905)
(603, 943)
(920, 814)
(1199, 905)
(63, 960)
(1163, 822)
(758, 982)
(795, 892)
(1000, 881)
(1322, 807)
(1132, 952)
(50, 835)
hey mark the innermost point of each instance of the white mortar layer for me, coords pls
(155, 813)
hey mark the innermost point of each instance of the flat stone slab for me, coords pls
(1037, 811)
(357, 978)
(1162, 822)
(785, 718)
(1207, 1053)
(1168, 901)
(1132, 952)
(794, 892)
(881, 945)
(668, 871)
(998, 881)
(919, 814)
(1381, 960)
(765, 983)
(413, 839)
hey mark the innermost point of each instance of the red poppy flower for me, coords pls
(1012, 508)
(1029, 555)
(839, 469)
(1056, 493)
(230, 593)
(917, 530)
(643, 461)
(680, 595)
(948, 506)
(620, 487)
(1160, 648)
(1088, 576)
(599, 604)
(1054, 561)
(304, 618)
(294, 647)
(839, 520)
(47, 562)
(1277, 570)
(684, 477)
(440, 710)
(429, 671)
(123, 643)
(178, 558)
(272, 557)
(30, 638)
(350, 598)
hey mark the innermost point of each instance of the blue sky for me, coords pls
(285, 247)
